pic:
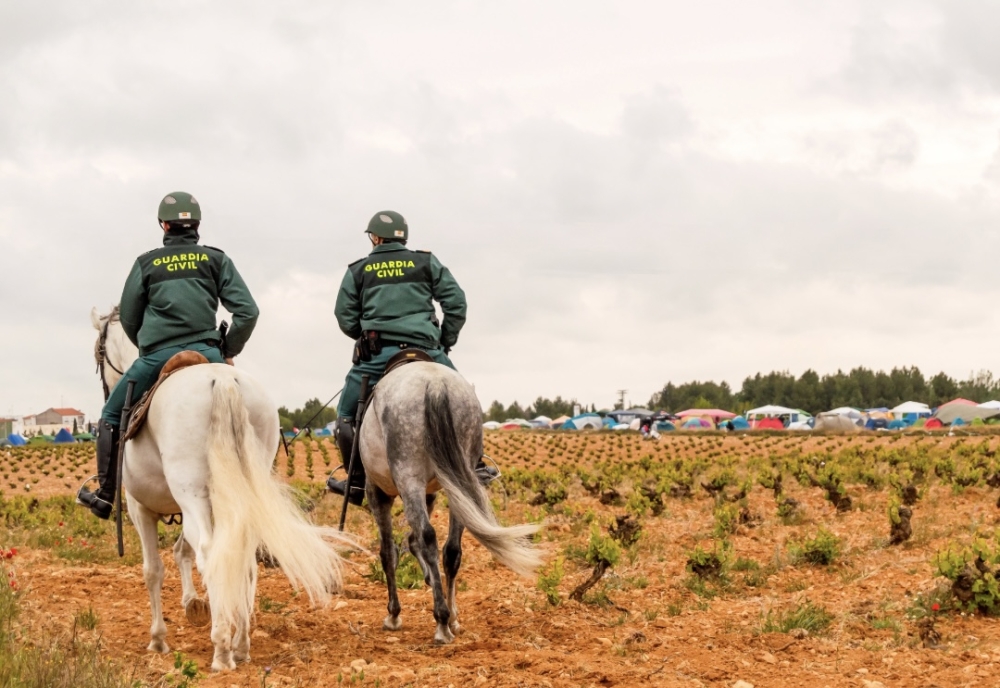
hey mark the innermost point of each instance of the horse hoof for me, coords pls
(219, 665)
(198, 612)
(242, 659)
(443, 636)
(392, 623)
(159, 646)
(455, 627)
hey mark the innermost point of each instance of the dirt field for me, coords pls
(877, 614)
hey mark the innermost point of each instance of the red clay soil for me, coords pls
(654, 631)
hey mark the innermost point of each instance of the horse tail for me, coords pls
(467, 499)
(250, 509)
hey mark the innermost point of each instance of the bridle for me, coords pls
(101, 354)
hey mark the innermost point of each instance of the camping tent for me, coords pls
(541, 422)
(951, 412)
(627, 416)
(852, 413)
(583, 422)
(990, 404)
(558, 422)
(835, 422)
(768, 424)
(754, 416)
(740, 423)
(491, 425)
(16, 440)
(714, 414)
(695, 423)
(911, 408)
(64, 436)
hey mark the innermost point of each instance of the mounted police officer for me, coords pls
(169, 305)
(386, 303)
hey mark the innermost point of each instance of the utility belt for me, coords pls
(371, 343)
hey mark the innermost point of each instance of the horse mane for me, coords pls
(105, 320)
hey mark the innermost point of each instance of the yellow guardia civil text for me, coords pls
(390, 268)
(181, 261)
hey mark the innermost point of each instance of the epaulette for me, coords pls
(359, 260)
(215, 249)
(417, 250)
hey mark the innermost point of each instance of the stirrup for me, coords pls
(84, 496)
(487, 474)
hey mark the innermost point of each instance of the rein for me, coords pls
(102, 357)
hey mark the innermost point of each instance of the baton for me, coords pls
(355, 447)
(126, 418)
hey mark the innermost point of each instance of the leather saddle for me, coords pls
(398, 361)
(179, 361)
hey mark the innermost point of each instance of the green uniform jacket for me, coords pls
(392, 292)
(172, 296)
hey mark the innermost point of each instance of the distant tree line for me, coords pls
(552, 408)
(860, 388)
(299, 417)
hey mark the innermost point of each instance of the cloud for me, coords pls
(597, 206)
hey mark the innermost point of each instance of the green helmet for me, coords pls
(179, 207)
(389, 224)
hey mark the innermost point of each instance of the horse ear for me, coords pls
(95, 318)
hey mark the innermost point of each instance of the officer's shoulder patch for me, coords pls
(215, 249)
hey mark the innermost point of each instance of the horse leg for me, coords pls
(195, 609)
(241, 641)
(452, 562)
(152, 570)
(381, 506)
(198, 532)
(424, 546)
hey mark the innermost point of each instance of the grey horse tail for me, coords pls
(467, 499)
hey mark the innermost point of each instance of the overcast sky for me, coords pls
(628, 192)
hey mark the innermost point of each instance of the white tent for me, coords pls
(914, 407)
(491, 425)
(851, 413)
(541, 422)
(769, 410)
(990, 405)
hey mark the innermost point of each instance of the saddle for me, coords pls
(398, 361)
(179, 361)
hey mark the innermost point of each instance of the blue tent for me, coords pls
(64, 436)
(665, 426)
(876, 424)
(958, 421)
(739, 423)
(898, 425)
(16, 439)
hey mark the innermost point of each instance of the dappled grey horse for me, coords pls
(423, 433)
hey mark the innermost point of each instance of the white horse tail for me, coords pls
(251, 508)
(467, 499)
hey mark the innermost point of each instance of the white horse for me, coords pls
(206, 452)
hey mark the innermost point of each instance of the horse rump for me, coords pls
(467, 498)
(253, 510)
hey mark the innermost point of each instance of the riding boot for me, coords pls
(345, 442)
(102, 502)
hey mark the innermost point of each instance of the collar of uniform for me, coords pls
(180, 237)
(386, 248)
